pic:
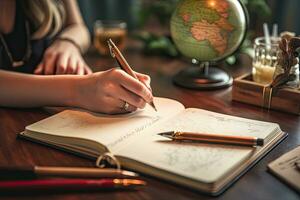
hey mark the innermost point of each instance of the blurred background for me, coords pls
(283, 12)
(153, 18)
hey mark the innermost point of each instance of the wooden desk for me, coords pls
(255, 184)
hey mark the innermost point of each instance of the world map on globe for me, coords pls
(208, 30)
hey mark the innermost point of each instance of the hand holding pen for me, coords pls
(115, 52)
(113, 91)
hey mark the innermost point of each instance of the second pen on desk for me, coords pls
(213, 138)
(68, 185)
(115, 52)
(29, 172)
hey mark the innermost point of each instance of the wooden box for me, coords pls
(247, 91)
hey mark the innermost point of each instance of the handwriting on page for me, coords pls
(206, 162)
(139, 123)
(112, 131)
(210, 158)
(109, 130)
(133, 132)
(208, 122)
(197, 159)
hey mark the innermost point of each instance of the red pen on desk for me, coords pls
(69, 184)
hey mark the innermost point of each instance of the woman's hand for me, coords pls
(108, 91)
(62, 57)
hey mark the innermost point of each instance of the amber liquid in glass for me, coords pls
(117, 35)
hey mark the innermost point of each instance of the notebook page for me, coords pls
(110, 130)
(199, 161)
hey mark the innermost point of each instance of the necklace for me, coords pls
(18, 63)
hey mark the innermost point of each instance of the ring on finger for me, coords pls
(126, 106)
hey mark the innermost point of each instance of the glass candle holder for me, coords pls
(109, 29)
(265, 60)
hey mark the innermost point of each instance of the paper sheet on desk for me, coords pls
(284, 167)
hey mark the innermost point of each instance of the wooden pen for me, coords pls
(116, 53)
(214, 138)
(29, 172)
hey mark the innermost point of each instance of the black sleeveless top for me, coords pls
(16, 42)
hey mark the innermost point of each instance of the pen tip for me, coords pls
(153, 106)
(166, 134)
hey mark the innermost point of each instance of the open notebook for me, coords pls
(133, 139)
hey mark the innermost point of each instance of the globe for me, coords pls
(208, 30)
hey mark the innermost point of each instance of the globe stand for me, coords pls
(204, 77)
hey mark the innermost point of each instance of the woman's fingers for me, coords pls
(111, 92)
(145, 79)
(87, 69)
(72, 65)
(49, 63)
(80, 68)
(39, 69)
(117, 106)
(129, 97)
(133, 85)
(61, 64)
(123, 108)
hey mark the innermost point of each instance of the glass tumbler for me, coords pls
(109, 29)
(265, 60)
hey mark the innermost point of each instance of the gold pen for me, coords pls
(115, 53)
(213, 138)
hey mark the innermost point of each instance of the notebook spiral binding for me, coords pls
(108, 160)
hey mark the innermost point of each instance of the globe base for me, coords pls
(203, 79)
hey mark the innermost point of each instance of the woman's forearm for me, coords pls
(22, 90)
(105, 92)
(79, 34)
